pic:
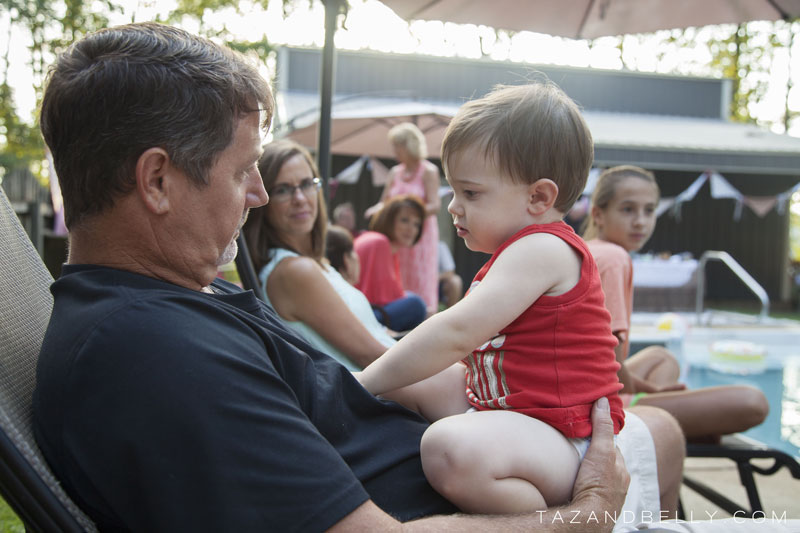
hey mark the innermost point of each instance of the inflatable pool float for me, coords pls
(737, 357)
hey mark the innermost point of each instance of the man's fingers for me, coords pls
(602, 472)
(602, 425)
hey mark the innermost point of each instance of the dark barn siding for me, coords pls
(758, 244)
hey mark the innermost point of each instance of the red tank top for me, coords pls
(555, 359)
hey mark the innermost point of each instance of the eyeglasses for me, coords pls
(284, 192)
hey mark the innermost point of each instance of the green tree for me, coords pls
(52, 26)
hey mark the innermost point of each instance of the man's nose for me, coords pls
(257, 194)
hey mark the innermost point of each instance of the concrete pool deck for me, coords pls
(780, 492)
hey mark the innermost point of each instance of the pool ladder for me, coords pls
(739, 271)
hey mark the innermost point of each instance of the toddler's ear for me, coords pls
(542, 195)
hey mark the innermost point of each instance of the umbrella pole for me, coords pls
(326, 93)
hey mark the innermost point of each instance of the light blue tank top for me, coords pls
(352, 297)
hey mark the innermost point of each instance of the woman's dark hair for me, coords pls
(260, 234)
(338, 243)
(383, 221)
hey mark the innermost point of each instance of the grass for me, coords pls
(9, 522)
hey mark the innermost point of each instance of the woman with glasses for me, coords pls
(286, 240)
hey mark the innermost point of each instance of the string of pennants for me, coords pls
(720, 189)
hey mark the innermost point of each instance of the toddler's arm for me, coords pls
(535, 265)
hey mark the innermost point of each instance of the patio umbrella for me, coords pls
(360, 125)
(588, 19)
(566, 18)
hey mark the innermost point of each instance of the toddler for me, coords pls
(531, 339)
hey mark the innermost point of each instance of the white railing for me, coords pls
(739, 271)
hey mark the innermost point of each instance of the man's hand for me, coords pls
(602, 480)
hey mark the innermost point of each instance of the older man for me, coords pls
(168, 401)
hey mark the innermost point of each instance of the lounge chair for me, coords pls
(26, 482)
(742, 451)
(247, 272)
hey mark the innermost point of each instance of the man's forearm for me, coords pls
(583, 517)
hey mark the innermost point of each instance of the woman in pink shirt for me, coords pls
(397, 225)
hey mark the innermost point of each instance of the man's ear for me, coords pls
(542, 195)
(151, 169)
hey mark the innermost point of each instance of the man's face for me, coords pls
(208, 218)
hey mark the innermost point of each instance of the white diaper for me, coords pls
(581, 444)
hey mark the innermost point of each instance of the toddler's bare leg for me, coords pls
(499, 462)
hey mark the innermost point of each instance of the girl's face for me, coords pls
(630, 217)
(407, 225)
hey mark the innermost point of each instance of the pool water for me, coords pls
(779, 381)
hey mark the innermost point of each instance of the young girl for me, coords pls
(397, 226)
(532, 332)
(622, 218)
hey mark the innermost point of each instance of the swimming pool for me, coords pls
(691, 339)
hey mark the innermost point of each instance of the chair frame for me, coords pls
(741, 450)
(29, 496)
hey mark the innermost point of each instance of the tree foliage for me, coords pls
(52, 26)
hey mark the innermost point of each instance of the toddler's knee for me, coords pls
(446, 464)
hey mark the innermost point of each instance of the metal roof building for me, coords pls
(676, 126)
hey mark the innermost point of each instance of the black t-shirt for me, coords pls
(166, 409)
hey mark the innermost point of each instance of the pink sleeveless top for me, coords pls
(419, 265)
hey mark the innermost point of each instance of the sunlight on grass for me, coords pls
(9, 523)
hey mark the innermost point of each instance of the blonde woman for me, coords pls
(415, 175)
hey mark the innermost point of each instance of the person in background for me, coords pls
(416, 175)
(341, 254)
(344, 215)
(397, 226)
(286, 240)
(622, 218)
(451, 286)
